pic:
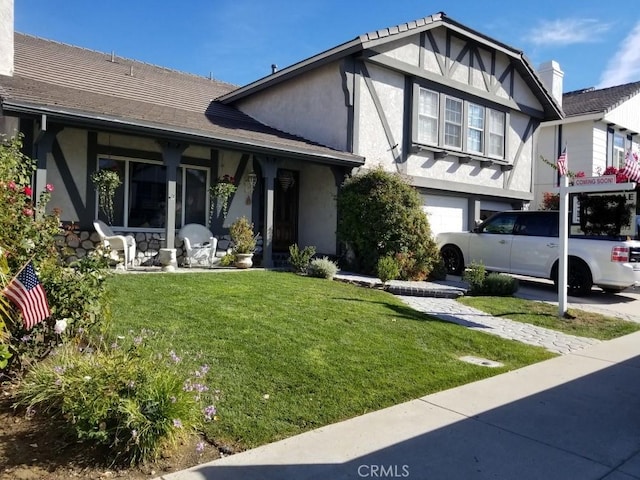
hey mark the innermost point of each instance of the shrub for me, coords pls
(122, 396)
(475, 275)
(499, 285)
(387, 269)
(299, 259)
(322, 268)
(380, 215)
(75, 293)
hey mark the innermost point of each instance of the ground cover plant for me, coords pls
(292, 353)
(582, 323)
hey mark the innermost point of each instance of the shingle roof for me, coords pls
(91, 86)
(590, 100)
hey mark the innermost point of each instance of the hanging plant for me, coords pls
(106, 182)
(222, 190)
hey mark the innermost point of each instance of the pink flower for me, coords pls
(27, 191)
(27, 211)
(49, 187)
(12, 186)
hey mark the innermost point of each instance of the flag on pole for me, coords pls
(26, 292)
(631, 168)
(562, 162)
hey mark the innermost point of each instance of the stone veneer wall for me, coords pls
(75, 245)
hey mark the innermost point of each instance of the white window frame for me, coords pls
(619, 151)
(491, 133)
(126, 184)
(477, 129)
(424, 116)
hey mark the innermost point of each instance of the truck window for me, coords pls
(501, 224)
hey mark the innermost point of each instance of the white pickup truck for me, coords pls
(527, 243)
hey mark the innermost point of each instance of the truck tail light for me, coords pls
(620, 254)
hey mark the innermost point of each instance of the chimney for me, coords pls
(6, 37)
(552, 76)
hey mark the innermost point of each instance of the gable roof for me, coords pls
(85, 87)
(603, 100)
(385, 35)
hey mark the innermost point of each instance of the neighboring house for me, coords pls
(454, 110)
(599, 127)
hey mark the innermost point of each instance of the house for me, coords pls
(452, 109)
(599, 127)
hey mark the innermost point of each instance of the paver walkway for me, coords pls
(453, 311)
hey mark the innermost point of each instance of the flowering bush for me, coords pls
(120, 394)
(27, 233)
(222, 190)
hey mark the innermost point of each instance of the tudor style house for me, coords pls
(452, 109)
(599, 128)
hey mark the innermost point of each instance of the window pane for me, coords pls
(496, 133)
(196, 196)
(118, 200)
(428, 116)
(453, 123)
(147, 194)
(475, 132)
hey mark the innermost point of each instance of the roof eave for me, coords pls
(80, 118)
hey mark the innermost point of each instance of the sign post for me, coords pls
(582, 185)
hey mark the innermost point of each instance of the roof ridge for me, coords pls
(594, 89)
(113, 55)
(401, 27)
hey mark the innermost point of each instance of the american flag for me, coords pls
(562, 162)
(631, 168)
(26, 292)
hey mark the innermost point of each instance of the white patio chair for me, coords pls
(199, 245)
(118, 243)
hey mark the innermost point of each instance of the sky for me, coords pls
(237, 41)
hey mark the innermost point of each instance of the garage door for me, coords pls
(446, 214)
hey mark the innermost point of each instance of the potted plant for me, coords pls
(222, 190)
(244, 242)
(106, 183)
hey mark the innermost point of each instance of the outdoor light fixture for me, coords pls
(252, 180)
(285, 177)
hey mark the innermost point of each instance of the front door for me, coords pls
(285, 225)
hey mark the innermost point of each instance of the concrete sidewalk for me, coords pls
(576, 416)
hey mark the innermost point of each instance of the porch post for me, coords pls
(269, 168)
(44, 145)
(171, 154)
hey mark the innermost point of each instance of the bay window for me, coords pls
(448, 122)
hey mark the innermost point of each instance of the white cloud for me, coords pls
(624, 66)
(568, 31)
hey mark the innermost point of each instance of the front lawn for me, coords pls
(291, 353)
(584, 324)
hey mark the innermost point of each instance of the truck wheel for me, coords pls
(579, 281)
(453, 261)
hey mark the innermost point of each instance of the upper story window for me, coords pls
(453, 123)
(618, 150)
(428, 106)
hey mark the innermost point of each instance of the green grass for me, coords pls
(584, 324)
(322, 351)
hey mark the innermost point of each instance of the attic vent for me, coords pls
(131, 70)
(113, 56)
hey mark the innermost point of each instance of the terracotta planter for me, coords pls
(243, 260)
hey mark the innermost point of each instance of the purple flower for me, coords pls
(59, 370)
(177, 423)
(174, 357)
(200, 447)
(137, 341)
(209, 412)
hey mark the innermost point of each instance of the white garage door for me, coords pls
(446, 214)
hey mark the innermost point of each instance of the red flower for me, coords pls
(12, 185)
(49, 187)
(27, 211)
(27, 191)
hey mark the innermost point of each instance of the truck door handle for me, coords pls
(502, 241)
(552, 245)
